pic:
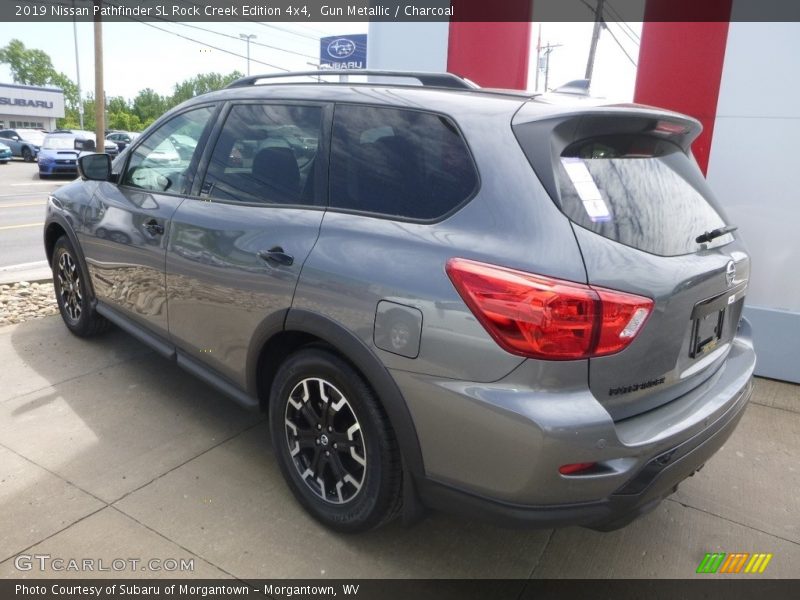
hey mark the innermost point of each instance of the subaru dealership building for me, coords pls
(30, 107)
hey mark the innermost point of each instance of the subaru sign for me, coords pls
(343, 51)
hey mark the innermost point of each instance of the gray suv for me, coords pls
(479, 301)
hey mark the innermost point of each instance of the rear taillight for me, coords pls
(543, 317)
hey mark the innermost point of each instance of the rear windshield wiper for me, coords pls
(714, 233)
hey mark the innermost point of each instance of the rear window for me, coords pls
(398, 163)
(638, 190)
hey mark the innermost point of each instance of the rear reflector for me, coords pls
(547, 318)
(576, 468)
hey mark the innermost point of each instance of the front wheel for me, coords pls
(333, 442)
(71, 287)
(27, 155)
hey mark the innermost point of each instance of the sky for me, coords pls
(139, 55)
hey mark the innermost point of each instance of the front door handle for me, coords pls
(154, 227)
(276, 256)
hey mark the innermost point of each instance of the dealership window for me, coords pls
(24, 125)
(398, 163)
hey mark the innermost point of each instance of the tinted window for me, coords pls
(266, 153)
(161, 162)
(638, 190)
(399, 163)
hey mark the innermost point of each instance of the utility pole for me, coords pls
(247, 37)
(77, 66)
(99, 93)
(598, 24)
(548, 49)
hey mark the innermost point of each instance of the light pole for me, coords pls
(77, 67)
(247, 37)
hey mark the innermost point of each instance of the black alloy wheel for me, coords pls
(333, 441)
(325, 440)
(72, 292)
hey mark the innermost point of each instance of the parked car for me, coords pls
(480, 301)
(5, 154)
(24, 143)
(60, 151)
(122, 138)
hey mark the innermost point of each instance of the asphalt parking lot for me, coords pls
(109, 452)
(23, 197)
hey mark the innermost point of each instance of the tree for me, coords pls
(201, 84)
(149, 105)
(28, 66)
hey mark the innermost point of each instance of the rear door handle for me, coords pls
(154, 227)
(276, 256)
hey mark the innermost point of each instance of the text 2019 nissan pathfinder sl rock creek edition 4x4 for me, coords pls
(479, 301)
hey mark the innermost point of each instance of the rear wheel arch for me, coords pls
(303, 328)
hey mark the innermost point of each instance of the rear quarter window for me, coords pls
(398, 163)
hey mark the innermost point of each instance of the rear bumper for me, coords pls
(504, 442)
(657, 480)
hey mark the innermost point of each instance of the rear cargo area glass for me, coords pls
(638, 190)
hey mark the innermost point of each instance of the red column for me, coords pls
(491, 54)
(680, 63)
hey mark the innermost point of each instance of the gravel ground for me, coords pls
(24, 300)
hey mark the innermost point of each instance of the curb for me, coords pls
(37, 275)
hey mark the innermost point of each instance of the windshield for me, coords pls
(31, 135)
(52, 142)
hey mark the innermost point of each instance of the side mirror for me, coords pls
(95, 167)
(15, 138)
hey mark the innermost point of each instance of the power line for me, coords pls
(625, 28)
(316, 39)
(233, 37)
(624, 31)
(621, 22)
(180, 35)
(621, 47)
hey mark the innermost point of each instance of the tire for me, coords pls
(27, 155)
(361, 473)
(72, 295)
(43, 175)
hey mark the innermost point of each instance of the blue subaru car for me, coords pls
(59, 152)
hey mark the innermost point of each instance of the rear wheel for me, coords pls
(72, 295)
(27, 155)
(333, 442)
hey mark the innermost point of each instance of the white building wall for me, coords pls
(753, 169)
(403, 47)
(12, 111)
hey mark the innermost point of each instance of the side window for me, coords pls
(398, 163)
(160, 163)
(266, 153)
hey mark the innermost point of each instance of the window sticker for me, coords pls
(587, 190)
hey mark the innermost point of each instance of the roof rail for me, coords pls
(426, 79)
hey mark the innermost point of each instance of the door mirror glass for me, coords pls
(95, 167)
